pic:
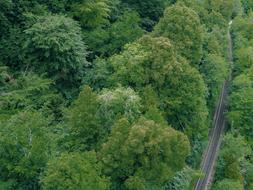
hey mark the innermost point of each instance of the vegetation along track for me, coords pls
(209, 159)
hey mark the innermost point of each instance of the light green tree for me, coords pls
(242, 26)
(244, 59)
(215, 69)
(83, 124)
(227, 184)
(117, 103)
(178, 87)
(241, 104)
(234, 151)
(73, 171)
(143, 153)
(182, 26)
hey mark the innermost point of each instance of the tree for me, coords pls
(197, 6)
(11, 52)
(117, 103)
(183, 180)
(4, 77)
(143, 154)
(182, 26)
(110, 40)
(71, 171)
(227, 184)
(242, 26)
(241, 109)
(5, 7)
(25, 149)
(178, 87)
(30, 91)
(54, 6)
(215, 70)
(149, 10)
(54, 46)
(244, 59)
(241, 104)
(214, 41)
(228, 8)
(83, 125)
(249, 176)
(247, 5)
(234, 151)
(125, 29)
(98, 76)
(90, 13)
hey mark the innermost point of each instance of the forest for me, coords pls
(120, 94)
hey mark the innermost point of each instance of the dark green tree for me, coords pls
(54, 46)
(228, 8)
(29, 91)
(25, 149)
(110, 40)
(149, 10)
(5, 8)
(91, 13)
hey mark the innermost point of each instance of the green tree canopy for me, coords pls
(243, 26)
(25, 147)
(30, 91)
(110, 40)
(247, 5)
(215, 69)
(227, 184)
(72, 171)
(244, 59)
(117, 103)
(54, 46)
(83, 124)
(227, 8)
(149, 10)
(182, 26)
(241, 104)
(153, 62)
(233, 156)
(143, 153)
(91, 13)
(183, 180)
(5, 7)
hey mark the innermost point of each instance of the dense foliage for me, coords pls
(234, 169)
(119, 94)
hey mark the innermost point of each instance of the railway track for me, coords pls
(211, 153)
